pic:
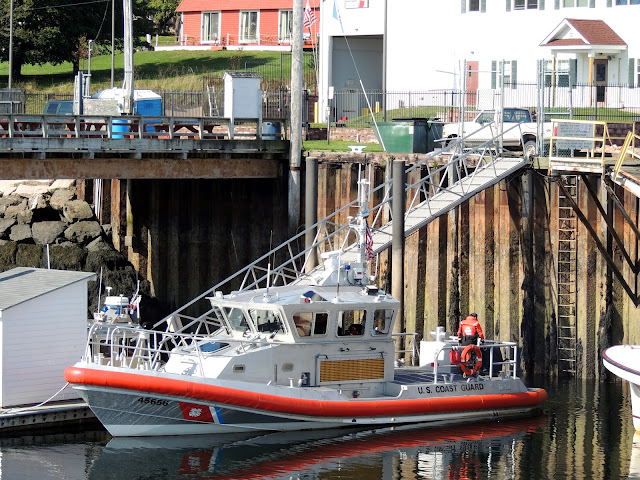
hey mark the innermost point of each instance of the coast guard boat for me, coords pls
(316, 353)
(624, 361)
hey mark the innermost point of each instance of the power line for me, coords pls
(49, 7)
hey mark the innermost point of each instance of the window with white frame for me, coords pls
(560, 76)
(525, 4)
(249, 26)
(627, 2)
(210, 26)
(286, 26)
(505, 69)
(575, 3)
(638, 72)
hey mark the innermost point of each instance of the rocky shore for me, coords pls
(43, 224)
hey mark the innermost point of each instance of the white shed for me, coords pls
(43, 330)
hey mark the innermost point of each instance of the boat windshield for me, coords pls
(267, 320)
(237, 321)
(351, 322)
(381, 322)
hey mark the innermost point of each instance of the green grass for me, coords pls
(163, 70)
(338, 146)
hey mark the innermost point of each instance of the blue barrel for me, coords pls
(271, 131)
(119, 126)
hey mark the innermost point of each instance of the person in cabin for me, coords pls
(470, 330)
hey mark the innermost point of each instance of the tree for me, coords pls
(58, 32)
(164, 12)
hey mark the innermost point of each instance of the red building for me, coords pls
(247, 24)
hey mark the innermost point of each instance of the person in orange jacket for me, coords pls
(470, 330)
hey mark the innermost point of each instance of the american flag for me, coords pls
(309, 16)
(369, 241)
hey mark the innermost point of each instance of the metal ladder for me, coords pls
(566, 296)
(213, 101)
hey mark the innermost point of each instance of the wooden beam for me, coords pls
(601, 247)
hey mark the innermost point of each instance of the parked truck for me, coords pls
(521, 138)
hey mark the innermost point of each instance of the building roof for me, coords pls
(22, 283)
(575, 32)
(221, 5)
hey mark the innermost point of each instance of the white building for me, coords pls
(43, 330)
(429, 42)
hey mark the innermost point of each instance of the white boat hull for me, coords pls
(624, 362)
(155, 404)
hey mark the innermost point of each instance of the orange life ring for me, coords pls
(467, 364)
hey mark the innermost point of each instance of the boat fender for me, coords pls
(471, 360)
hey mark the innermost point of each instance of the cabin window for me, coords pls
(235, 317)
(210, 26)
(267, 321)
(310, 323)
(381, 322)
(248, 26)
(351, 322)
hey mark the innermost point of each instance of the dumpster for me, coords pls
(410, 135)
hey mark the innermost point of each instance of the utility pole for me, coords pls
(295, 155)
(11, 54)
(127, 13)
(113, 43)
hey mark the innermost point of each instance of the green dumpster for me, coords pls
(409, 135)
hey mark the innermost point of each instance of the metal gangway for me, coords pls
(429, 197)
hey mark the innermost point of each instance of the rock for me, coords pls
(60, 197)
(98, 244)
(47, 232)
(75, 210)
(5, 225)
(13, 211)
(38, 202)
(108, 259)
(8, 202)
(30, 256)
(8, 256)
(63, 183)
(83, 232)
(20, 233)
(67, 257)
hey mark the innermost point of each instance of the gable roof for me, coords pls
(576, 32)
(22, 283)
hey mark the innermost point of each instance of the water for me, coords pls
(584, 431)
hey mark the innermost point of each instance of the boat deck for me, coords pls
(409, 376)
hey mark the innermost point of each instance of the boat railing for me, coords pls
(129, 346)
(409, 344)
(505, 368)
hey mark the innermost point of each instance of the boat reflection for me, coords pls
(459, 451)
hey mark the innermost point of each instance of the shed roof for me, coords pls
(23, 283)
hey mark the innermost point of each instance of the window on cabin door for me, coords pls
(286, 25)
(210, 26)
(248, 26)
(525, 4)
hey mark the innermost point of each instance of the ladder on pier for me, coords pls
(566, 291)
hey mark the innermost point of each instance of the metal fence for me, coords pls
(352, 108)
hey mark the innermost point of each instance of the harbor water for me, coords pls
(584, 431)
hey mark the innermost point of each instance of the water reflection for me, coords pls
(583, 432)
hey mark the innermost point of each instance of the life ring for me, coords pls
(468, 365)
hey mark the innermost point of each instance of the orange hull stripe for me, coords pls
(299, 406)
